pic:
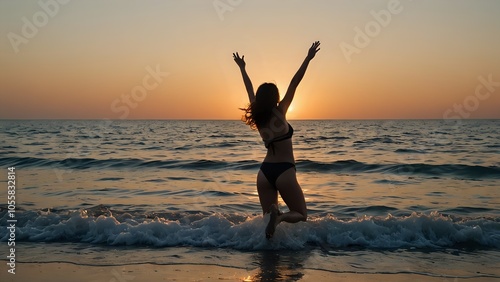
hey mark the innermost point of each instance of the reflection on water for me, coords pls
(279, 266)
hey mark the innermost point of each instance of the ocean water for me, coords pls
(403, 196)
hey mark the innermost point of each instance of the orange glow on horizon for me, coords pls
(87, 67)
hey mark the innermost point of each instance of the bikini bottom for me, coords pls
(273, 170)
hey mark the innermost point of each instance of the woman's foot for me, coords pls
(273, 221)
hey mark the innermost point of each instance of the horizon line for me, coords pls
(216, 119)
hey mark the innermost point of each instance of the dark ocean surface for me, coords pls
(386, 196)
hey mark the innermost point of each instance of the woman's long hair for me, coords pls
(259, 112)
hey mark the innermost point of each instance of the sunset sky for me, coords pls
(173, 59)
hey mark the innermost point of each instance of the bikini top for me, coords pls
(288, 135)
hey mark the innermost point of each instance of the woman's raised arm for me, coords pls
(246, 79)
(290, 92)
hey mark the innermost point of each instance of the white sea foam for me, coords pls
(217, 230)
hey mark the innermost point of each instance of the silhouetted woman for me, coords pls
(267, 114)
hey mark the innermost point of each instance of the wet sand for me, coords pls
(189, 272)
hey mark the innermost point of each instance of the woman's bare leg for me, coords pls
(267, 194)
(292, 195)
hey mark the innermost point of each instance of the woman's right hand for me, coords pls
(239, 61)
(313, 50)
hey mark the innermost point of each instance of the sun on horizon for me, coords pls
(173, 59)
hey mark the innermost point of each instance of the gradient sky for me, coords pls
(85, 56)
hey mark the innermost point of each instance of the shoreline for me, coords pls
(61, 271)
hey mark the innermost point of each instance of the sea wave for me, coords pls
(100, 225)
(462, 171)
